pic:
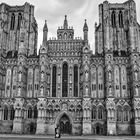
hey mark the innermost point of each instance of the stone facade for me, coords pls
(66, 85)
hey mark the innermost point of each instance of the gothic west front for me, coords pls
(65, 84)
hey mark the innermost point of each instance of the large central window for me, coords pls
(65, 80)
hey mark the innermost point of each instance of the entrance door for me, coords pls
(98, 130)
(32, 128)
(65, 126)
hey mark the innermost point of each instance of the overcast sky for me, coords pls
(76, 10)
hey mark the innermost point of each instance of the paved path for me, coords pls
(43, 137)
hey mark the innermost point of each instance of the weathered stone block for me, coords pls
(86, 128)
(18, 126)
(137, 129)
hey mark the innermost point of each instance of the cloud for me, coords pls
(58, 8)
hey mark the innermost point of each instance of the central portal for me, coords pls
(65, 125)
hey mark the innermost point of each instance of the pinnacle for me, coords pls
(65, 23)
(45, 26)
(85, 28)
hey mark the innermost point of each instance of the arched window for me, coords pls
(14, 82)
(54, 69)
(113, 19)
(117, 81)
(12, 21)
(93, 115)
(75, 81)
(77, 113)
(100, 82)
(93, 82)
(30, 112)
(65, 80)
(120, 19)
(126, 114)
(12, 113)
(30, 82)
(70, 36)
(65, 36)
(35, 113)
(60, 36)
(100, 113)
(5, 113)
(19, 20)
(119, 114)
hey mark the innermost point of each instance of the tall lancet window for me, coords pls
(65, 80)
(12, 21)
(113, 19)
(54, 69)
(5, 113)
(120, 19)
(75, 81)
(19, 20)
(12, 113)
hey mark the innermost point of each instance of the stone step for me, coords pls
(65, 137)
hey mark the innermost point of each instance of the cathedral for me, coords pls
(65, 84)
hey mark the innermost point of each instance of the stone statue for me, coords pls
(109, 75)
(86, 76)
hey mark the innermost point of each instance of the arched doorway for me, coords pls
(32, 128)
(98, 130)
(65, 125)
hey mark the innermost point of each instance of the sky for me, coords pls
(76, 10)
